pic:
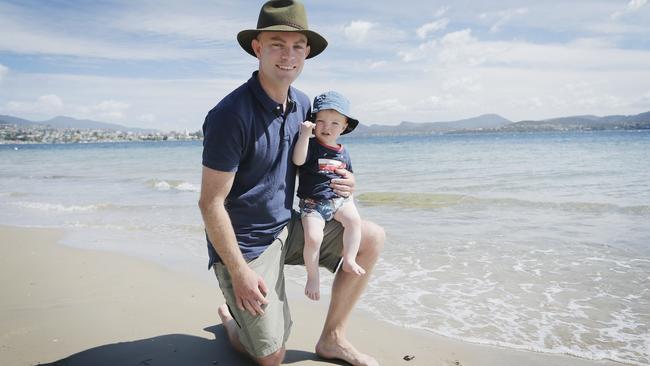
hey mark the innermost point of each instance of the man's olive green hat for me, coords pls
(283, 16)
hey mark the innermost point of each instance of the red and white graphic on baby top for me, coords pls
(330, 165)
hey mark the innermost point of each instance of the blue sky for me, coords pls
(164, 64)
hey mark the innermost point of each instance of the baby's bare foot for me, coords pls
(353, 267)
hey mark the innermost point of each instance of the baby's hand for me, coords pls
(306, 128)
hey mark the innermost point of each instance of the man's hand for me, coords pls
(344, 186)
(250, 291)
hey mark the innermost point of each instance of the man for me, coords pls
(247, 193)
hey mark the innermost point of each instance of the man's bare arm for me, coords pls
(248, 286)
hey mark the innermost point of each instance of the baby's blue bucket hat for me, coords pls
(337, 102)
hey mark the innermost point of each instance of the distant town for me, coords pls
(38, 134)
(62, 130)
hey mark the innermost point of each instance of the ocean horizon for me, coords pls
(535, 241)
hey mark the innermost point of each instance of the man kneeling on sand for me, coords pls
(247, 190)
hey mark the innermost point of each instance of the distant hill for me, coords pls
(588, 122)
(496, 123)
(486, 121)
(63, 122)
(10, 120)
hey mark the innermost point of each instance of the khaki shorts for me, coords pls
(262, 335)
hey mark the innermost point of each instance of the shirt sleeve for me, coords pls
(347, 160)
(223, 141)
(349, 164)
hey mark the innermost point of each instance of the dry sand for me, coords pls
(67, 306)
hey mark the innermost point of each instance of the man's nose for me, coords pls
(288, 53)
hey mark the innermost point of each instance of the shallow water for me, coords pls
(531, 241)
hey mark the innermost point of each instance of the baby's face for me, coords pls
(329, 126)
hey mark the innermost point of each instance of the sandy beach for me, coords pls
(67, 306)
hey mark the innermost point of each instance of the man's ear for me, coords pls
(308, 51)
(257, 47)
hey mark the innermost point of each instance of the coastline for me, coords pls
(72, 306)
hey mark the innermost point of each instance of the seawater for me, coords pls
(529, 241)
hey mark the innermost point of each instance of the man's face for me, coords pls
(281, 55)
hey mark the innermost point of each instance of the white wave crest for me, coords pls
(57, 207)
(167, 185)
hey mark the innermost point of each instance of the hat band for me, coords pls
(286, 24)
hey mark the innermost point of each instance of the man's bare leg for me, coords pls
(346, 290)
(231, 330)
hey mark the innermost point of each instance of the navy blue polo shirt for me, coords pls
(319, 169)
(248, 133)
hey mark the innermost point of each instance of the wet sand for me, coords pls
(68, 306)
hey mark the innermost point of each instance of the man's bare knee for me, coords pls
(273, 359)
(372, 238)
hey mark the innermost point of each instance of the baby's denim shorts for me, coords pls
(323, 208)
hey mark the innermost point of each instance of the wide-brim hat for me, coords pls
(338, 102)
(283, 16)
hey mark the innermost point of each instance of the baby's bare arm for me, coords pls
(300, 150)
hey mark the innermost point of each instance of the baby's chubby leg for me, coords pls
(313, 227)
(349, 217)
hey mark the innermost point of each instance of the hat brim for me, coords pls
(316, 42)
(352, 124)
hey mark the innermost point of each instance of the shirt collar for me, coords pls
(266, 101)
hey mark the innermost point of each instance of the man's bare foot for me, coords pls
(224, 314)
(341, 349)
(312, 288)
(351, 266)
(231, 327)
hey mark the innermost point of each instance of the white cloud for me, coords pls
(461, 48)
(377, 65)
(643, 101)
(423, 51)
(631, 7)
(199, 26)
(500, 18)
(23, 35)
(109, 110)
(441, 11)
(463, 84)
(4, 70)
(440, 102)
(49, 104)
(34, 42)
(357, 31)
(178, 103)
(432, 27)
(391, 105)
(147, 118)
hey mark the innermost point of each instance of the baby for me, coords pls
(318, 159)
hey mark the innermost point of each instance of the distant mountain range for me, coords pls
(63, 122)
(412, 128)
(496, 123)
(483, 123)
(637, 121)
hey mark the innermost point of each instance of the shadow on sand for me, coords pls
(175, 349)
